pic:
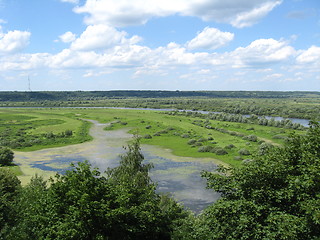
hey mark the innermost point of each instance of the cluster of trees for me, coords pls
(254, 119)
(287, 104)
(83, 204)
(90, 95)
(274, 196)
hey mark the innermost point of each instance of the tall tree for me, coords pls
(276, 196)
(9, 187)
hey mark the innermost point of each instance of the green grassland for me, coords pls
(33, 129)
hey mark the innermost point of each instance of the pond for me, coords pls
(179, 176)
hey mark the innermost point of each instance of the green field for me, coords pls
(184, 134)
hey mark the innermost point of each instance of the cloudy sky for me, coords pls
(160, 45)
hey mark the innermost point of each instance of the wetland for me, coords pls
(179, 176)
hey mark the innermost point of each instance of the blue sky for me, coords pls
(160, 45)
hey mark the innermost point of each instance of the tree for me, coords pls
(137, 213)
(9, 186)
(276, 196)
(6, 157)
(85, 204)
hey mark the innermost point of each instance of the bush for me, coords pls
(147, 136)
(244, 152)
(205, 149)
(68, 133)
(202, 140)
(252, 138)
(6, 156)
(220, 151)
(230, 146)
(192, 141)
(185, 136)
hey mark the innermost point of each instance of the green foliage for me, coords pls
(9, 187)
(84, 204)
(274, 197)
(244, 152)
(6, 156)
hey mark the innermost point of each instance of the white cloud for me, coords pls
(275, 75)
(240, 13)
(125, 53)
(312, 55)
(210, 38)
(101, 37)
(249, 18)
(261, 52)
(13, 41)
(71, 1)
(67, 37)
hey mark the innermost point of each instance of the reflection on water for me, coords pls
(179, 176)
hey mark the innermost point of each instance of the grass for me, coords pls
(15, 169)
(168, 131)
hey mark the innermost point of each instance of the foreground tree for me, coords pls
(9, 187)
(6, 156)
(82, 204)
(274, 197)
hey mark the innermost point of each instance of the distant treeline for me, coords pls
(10, 96)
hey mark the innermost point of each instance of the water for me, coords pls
(303, 122)
(179, 176)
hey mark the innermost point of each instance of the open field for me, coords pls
(185, 135)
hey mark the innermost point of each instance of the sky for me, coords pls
(220, 45)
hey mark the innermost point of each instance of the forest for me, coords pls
(274, 196)
(304, 105)
(267, 171)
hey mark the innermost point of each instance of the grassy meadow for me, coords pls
(224, 142)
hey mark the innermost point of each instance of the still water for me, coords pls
(179, 176)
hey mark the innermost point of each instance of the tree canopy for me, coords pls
(6, 156)
(276, 196)
(85, 204)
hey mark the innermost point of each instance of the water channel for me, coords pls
(179, 176)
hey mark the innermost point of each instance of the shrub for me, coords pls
(230, 146)
(220, 151)
(147, 136)
(6, 156)
(205, 149)
(192, 141)
(185, 136)
(252, 138)
(244, 152)
(202, 140)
